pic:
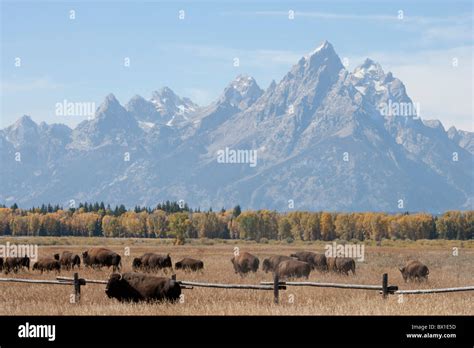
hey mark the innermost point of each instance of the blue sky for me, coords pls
(82, 60)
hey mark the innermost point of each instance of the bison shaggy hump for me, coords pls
(245, 263)
(414, 270)
(189, 264)
(270, 264)
(142, 287)
(293, 269)
(47, 264)
(98, 257)
(316, 261)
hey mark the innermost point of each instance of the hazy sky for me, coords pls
(82, 59)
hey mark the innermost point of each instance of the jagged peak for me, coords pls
(370, 68)
(243, 84)
(25, 121)
(164, 92)
(323, 54)
(325, 46)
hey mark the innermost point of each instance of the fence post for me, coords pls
(276, 283)
(77, 288)
(385, 285)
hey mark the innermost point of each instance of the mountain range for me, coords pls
(324, 138)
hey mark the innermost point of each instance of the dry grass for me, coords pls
(445, 271)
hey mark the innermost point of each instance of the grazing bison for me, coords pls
(341, 265)
(47, 264)
(1, 263)
(68, 260)
(316, 261)
(270, 264)
(414, 270)
(152, 262)
(189, 264)
(99, 257)
(142, 287)
(16, 263)
(244, 263)
(293, 269)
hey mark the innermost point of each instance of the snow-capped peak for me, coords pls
(324, 46)
(168, 104)
(242, 92)
(369, 69)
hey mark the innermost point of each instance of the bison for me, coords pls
(16, 263)
(47, 264)
(245, 263)
(341, 265)
(414, 270)
(316, 261)
(152, 262)
(270, 264)
(293, 269)
(99, 257)
(68, 260)
(134, 287)
(1, 263)
(189, 264)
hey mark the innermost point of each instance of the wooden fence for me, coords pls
(274, 286)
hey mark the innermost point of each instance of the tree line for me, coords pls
(178, 221)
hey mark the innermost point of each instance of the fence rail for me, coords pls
(276, 285)
(34, 281)
(232, 286)
(434, 291)
(330, 285)
(88, 281)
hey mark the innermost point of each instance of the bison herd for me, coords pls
(139, 285)
(297, 265)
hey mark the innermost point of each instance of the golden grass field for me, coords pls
(446, 270)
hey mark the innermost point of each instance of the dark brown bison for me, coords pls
(16, 263)
(293, 269)
(1, 263)
(341, 265)
(68, 260)
(270, 264)
(152, 262)
(316, 261)
(189, 264)
(414, 270)
(47, 264)
(245, 263)
(142, 287)
(99, 257)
